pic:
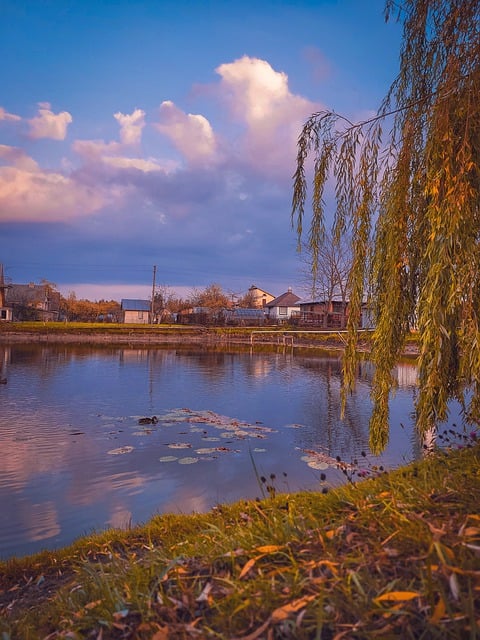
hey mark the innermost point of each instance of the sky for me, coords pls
(136, 133)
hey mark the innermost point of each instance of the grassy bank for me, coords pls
(397, 556)
(283, 336)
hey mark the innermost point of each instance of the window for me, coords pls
(282, 311)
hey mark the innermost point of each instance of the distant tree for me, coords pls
(325, 276)
(166, 303)
(407, 186)
(212, 297)
(75, 310)
(248, 300)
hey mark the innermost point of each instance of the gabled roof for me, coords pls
(135, 305)
(288, 299)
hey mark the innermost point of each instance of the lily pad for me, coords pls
(120, 451)
(179, 445)
(168, 458)
(187, 460)
(317, 464)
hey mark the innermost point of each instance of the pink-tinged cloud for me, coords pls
(48, 124)
(17, 157)
(140, 164)
(131, 126)
(95, 150)
(34, 195)
(4, 115)
(259, 97)
(191, 134)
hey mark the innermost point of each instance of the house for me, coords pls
(5, 312)
(322, 313)
(32, 302)
(259, 298)
(281, 308)
(136, 311)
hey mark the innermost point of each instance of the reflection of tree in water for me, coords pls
(323, 429)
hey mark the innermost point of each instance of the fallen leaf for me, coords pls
(397, 596)
(269, 548)
(438, 612)
(282, 613)
(247, 566)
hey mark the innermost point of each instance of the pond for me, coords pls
(77, 456)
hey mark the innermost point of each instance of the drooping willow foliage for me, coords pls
(407, 189)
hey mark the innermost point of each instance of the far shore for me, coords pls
(168, 334)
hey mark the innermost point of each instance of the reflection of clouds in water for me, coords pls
(26, 454)
(185, 500)
(120, 518)
(83, 493)
(41, 521)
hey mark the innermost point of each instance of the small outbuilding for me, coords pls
(136, 311)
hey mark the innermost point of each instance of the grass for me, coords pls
(394, 556)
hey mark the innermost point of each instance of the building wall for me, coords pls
(260, 297)
(137, 317)
(282, 313)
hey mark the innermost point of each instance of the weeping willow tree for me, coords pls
(407, 189)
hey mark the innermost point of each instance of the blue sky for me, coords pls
(141, 133)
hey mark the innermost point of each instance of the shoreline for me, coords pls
(168, 335)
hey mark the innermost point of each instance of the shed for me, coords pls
(136, 311)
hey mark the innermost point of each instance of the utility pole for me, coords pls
(153, 294)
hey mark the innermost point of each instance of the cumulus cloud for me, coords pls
(4, 115)
(18, 158)
(28, 194)
(131, 126)
(191, 134)
(48, 124)
(260, 98)
(146, 166)
(95, 150)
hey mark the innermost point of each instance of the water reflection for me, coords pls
(67, 412)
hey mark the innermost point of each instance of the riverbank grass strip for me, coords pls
(393, 556)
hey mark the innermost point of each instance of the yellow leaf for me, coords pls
(247, 566)
(292, 607)
(439, 611)
(397, 596)
(270, 548)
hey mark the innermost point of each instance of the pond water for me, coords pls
(76, 460)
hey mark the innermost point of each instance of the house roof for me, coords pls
(28, 294)
(135, 305)
(287, 299)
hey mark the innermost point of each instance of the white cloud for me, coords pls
(259, 97)
(192, 134)
(140, 164)
(48, 124)
(131, 126)
(4, 115)
(41, 196)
